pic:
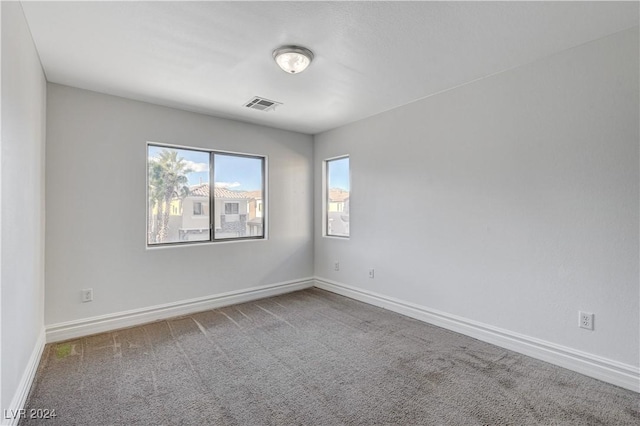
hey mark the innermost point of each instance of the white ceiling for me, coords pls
(211, 57)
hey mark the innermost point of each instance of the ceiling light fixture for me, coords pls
(293, 59)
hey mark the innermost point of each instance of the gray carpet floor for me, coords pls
(310, 358)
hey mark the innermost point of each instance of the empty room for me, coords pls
(319, 213)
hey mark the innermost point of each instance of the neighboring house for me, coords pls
(256, 207)
(255, 204)
(175, 213)
(239, 213)
(194, 225)
(338, 212)
(338, 200)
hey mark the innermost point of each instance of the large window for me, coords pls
(337, 190)
(182, 208)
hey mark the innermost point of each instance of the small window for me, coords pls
(231, 208)
(181, 207)
(337, 197)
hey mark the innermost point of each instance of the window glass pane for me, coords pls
(238, 196)
(178, 182)
(337, 197)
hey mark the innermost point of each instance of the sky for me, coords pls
(338, 173)
(231, 171)
(244, 173)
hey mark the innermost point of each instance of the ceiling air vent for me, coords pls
(261, 104)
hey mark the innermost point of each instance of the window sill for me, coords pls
(336, 237)
(203, 243)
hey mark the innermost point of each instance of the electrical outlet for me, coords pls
(336, 266)
(372, 273)
(586, 320)
(87, 294)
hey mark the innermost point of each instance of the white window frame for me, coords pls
(230, 204)
(199, 203)
(325, 198)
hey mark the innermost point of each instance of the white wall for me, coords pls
(96, 207)
(519, 200)
(22, 205)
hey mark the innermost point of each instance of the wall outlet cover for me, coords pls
(585, 320)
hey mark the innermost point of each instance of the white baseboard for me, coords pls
(100, 324)
(11, 415)
(610, 371)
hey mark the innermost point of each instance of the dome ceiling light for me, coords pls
(293, 59)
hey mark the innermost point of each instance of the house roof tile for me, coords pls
(338, 194)
(202, 190)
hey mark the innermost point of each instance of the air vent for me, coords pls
(261, 104)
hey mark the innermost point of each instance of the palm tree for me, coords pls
(167, 181)
(156, 194)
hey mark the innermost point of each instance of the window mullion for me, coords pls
(212, 212)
